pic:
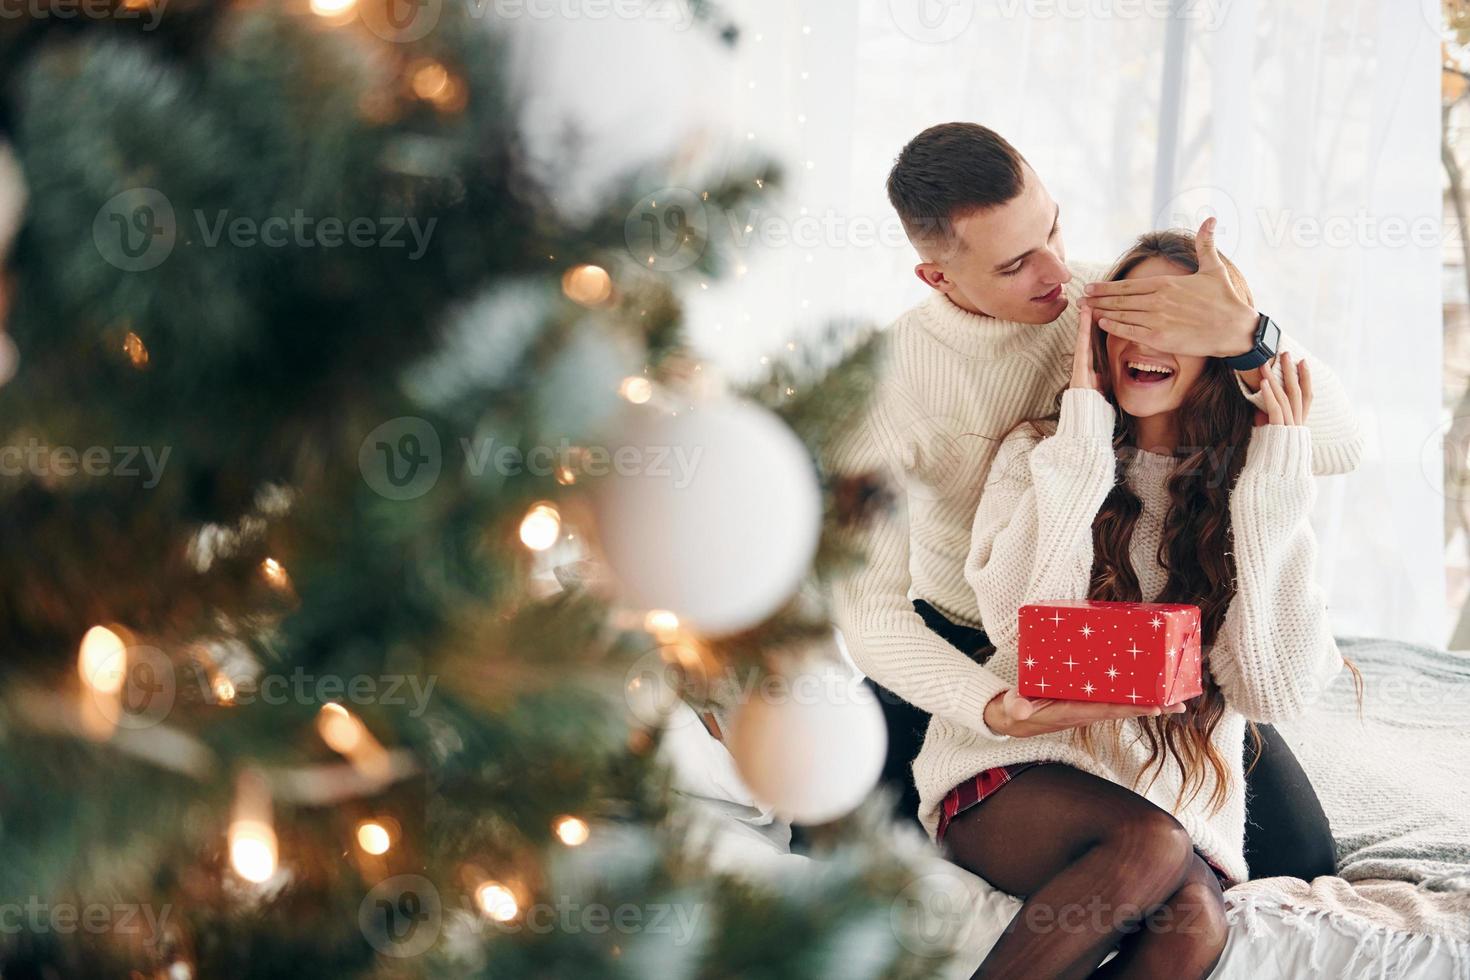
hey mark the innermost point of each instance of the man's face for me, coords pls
(1007, 261)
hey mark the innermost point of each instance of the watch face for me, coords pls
(1270, 337)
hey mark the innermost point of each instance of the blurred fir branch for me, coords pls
(261, 554)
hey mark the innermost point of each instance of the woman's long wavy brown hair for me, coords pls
(1196, 547)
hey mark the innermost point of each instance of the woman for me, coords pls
(1154, 482)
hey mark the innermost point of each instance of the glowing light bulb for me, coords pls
(275, 573)
(636, 390)
(373, 837)
(332, 8)
(429, 80)
(253, 850)
(572, 831)
(224, 689)
(660, 621)
(133, 344)
(589, 285)
(541, 527)
(102, 660)
(497, 901)
(339, 728)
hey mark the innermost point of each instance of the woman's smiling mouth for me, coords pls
(1145, 373)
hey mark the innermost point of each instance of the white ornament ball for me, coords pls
(812, 746)
(712, 514)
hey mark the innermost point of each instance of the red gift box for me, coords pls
(1116, 652)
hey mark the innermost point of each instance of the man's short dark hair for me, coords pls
(948, 171)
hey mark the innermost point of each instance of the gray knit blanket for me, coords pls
(1395, 782)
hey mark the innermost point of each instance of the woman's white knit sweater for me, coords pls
(951, 385)
(1033, 542)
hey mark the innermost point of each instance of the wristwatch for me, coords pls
(1268, 338)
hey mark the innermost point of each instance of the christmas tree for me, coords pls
(313, 396)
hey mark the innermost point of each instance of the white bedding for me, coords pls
(1405, 916)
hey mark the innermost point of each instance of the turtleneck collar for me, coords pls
(987, 337)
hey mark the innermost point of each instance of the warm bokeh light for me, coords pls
(332, 8)
(636, 390)
(373, 837)
(253, 850)
(102, 660)
(429, 80)
(541, 527)
(275, 573)
(497, 901)
(572, 831)
(339, 728)
(224, 689)
(660, 621)
(137, 353)
(589, 285)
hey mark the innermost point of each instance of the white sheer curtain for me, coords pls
(1310, 127)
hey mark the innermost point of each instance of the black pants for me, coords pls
(1286, 831)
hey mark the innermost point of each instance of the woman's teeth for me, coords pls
(1147, 373)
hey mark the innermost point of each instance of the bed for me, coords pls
(1395, 783)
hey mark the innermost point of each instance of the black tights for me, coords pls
(1099, 867)
(1286, 831)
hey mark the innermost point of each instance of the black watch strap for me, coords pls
(1267, 340)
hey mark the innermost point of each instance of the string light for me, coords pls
(373, 837)
(252, 838)
(572, 831)
(134, 347)
(497, 901)
(660, 621)
(339, 728)
(636, 390)
(589, 285)
(253, 851)
(433, 83)
(429, 79)
(345, 734)
(275, 573)
(541, 527)
(102, 660)
(332, 8)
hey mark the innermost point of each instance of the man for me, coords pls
(991, 346)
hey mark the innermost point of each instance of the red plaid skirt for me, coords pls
(972, 791)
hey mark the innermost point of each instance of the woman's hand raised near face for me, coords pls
(1288, 400)
(1084, 375)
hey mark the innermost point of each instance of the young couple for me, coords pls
(1058, 433)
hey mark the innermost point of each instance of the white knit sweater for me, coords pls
(951, 386)
(1032, 542)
